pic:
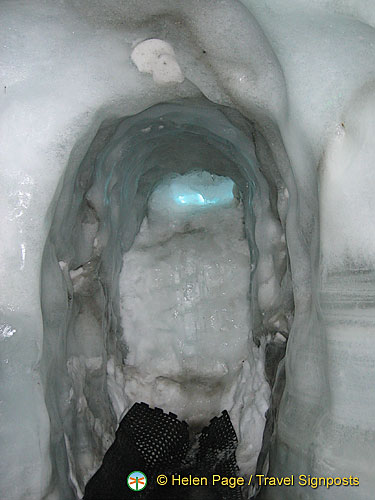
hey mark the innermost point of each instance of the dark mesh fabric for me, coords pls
(154, 442)
(217, 452)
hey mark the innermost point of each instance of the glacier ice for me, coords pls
(101, 314)
(186, 314)
(157, 58)
(277, 95)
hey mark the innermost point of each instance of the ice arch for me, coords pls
(97, 217)
(306, 68)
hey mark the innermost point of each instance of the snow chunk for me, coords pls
(157, 58)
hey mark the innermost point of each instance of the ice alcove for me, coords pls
(165, 289)
(184, 301)
(86, 140)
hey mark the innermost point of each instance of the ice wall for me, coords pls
(185, 312)
(297, 67)
(97, 216)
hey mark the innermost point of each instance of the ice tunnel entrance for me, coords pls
(101, 321)
(184, 295)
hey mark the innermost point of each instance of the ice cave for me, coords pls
(188, 233)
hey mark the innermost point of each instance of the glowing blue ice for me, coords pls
(191, 199)
(200, 189)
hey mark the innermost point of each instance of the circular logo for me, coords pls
(137, 481)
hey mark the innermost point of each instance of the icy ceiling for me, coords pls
(281, 94)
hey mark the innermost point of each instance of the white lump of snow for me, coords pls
(157, 57)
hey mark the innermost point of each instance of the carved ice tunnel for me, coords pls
(97, 218)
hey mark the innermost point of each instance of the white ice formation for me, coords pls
(278, 96)
(186, 314)
(157, 58)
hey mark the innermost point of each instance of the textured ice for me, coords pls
(186, 315)
(183, 197)
(109, 194)
(302, 73)
(158, 58)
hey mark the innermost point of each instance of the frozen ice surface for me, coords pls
(158, 58)
(186, 314)
(303, 72)
(83, 259)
